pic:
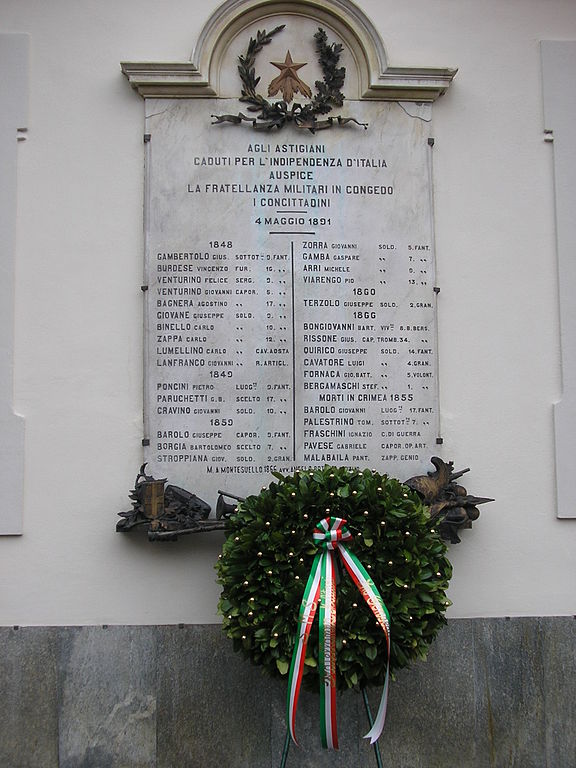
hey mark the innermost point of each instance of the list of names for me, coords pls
(291, 302)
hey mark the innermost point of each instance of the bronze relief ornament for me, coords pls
(279, 113)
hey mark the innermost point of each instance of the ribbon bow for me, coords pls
(320, 591)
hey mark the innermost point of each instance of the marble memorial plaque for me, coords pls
(291, 317)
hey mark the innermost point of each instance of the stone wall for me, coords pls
(493, 693)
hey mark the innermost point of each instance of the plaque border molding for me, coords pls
(558, 58)
(14, 89)
(198, 77)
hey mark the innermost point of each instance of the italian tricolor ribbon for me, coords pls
(330, 535)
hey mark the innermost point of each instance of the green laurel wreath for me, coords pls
(267, 557)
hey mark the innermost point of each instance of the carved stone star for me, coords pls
(288, 81)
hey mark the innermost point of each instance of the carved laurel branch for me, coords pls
(247, 72)
(277, 114)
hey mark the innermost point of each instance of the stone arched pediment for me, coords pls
(211, 70)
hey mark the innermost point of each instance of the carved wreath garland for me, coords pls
(278, 114)
(266, 561)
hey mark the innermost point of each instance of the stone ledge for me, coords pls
(493, 692)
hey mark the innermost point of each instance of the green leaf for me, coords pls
(371, 652)
(283, 666)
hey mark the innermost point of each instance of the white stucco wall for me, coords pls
(78, 307)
